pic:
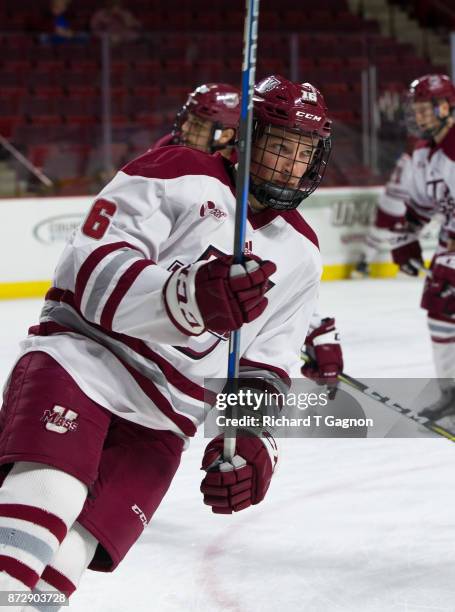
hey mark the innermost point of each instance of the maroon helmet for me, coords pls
(433, 88)
(218, 103)
(294, 113)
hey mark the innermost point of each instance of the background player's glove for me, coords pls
(439, 291)
(232, 486)
(408, 255)
(217, 295)
(407, 252)
(323, 348)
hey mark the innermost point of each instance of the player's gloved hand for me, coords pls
(322, 347)
(408, 254)
(232, 486)
(217, 295)
(439, 291)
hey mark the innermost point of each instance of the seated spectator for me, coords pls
(62, 30)
(116, 21)
(59, 25)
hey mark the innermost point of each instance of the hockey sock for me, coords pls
(38, 504)
(64, 572)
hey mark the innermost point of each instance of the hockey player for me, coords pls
(431, 191)
(389, 217)
(207, 121)
(109, 386)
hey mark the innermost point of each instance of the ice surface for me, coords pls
(348, 525)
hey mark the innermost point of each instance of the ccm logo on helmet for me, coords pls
(308, 116)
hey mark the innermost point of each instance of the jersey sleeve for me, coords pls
(110, 263)
(448, 173)
(418, 202)
(391, 205)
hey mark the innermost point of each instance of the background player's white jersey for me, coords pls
(432, 184)
(392, 201)
(105, 322)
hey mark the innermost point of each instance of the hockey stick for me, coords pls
(387, 401)
(242, 187)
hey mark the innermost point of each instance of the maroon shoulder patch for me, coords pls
(174, 161)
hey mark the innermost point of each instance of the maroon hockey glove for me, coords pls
(232, 486)
(217, 295)
(323, 348)
(439, 291)
(408, 255)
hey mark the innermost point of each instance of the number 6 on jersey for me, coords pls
(99, 218)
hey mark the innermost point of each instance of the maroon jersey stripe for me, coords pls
(294, 218)
(172, 374)
(161, 402)
(123, 285)
(90, 264)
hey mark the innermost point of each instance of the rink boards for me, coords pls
(34, 230)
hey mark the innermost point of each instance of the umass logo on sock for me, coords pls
(60, 420)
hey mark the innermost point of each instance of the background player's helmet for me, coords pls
(296, 113)
(218, 103)
(433, 88)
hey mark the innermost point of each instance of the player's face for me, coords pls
(281, 157)
(425, 117)
(196, 132)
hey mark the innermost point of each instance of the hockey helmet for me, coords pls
(433, 88)
(218, 103)
(291, 142)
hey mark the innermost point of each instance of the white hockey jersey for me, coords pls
(105, 322)
(431, 184)
(391, 205)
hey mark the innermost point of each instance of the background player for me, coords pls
(431, 189)
(389, 217)
(208, 120)
(109, 386)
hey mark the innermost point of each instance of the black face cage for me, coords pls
(279, 177)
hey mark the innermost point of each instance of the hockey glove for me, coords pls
(217, 295)
(439, 291)
(232, 486)
(323, 348)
